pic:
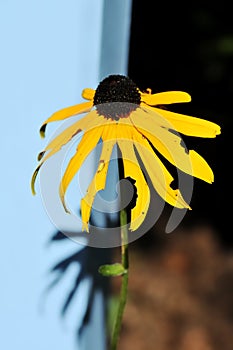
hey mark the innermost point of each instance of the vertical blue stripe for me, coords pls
(114, 60)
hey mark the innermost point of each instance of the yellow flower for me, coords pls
(117, 112)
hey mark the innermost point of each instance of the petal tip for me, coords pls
(33, 190)
(218, 130)
(40, 155)
(42, 131)
(88, 94)
(188, 97)
(62, 197)
(64, 205)
(33, 180)
(85, 227)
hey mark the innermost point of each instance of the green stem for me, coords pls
(124, 282)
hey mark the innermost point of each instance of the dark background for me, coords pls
(189, 47)
(181, 284)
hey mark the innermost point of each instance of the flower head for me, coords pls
(117, 112)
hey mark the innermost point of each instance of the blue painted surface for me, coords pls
(50, 50)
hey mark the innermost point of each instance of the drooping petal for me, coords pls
(66, 113)
(159, 175)
(86, 145)
(91, 120)
(33, 179)
(88, 94)
(187, 125)
(132, 169)
(169, 145)
(99, 180)
(164, 98)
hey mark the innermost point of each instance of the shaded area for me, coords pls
(180, 292)
(88, 259)
(190, 48)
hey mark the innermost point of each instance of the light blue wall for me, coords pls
(50, 50)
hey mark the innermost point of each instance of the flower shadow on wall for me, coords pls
(88, 259)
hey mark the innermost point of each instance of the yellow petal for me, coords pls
(66, 113)
(132, 169)
(201, 169)
(159, 175)
(98, 182)
(87, 123)
(86, 145)
(169, 145)
(164, 98)
(184, 124)
(91, 120)
(33, 180)
(88, 94)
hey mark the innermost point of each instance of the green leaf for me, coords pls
(116, 269)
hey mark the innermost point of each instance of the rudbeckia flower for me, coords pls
(117, 112)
